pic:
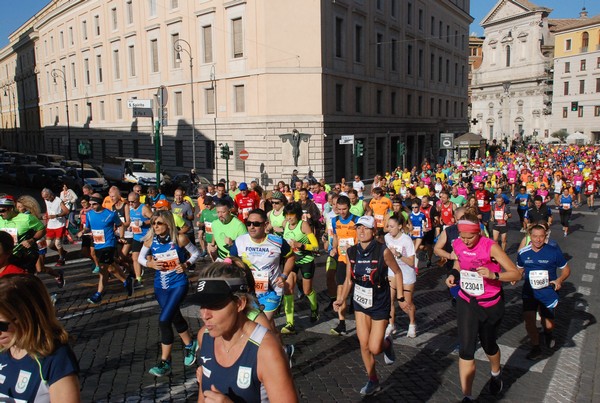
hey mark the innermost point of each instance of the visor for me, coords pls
(217, 290)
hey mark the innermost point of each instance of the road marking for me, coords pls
(596, 246)
(590, 266)
(597, 239)
(593, 255)
(584, 290)
(588, 278)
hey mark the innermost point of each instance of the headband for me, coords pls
(96, 199)
(468, 226)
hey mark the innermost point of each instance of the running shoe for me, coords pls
(314, 316)
(390, 329)
(496, 384)
(389, 356)
(53, 298)
(339, 330)
(189, 354)
(289, 351)
(60, 262)
(128, 284)
(95, 299)
(534, 354)
(370, 388)
(467, 399)
(60, 280)
(412, 331)
(138, 284)
(289, 328)
(163, 368)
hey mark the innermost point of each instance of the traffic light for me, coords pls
(225, 152)
(360, 149)
(401, 149)
(574, 106)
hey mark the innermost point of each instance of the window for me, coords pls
(113, 18)
(432, 26)
(135, 145)
(379, 4)
(420, 105)
(567, 67)
(440, 29)
(178, 103)
(378, 101)
(431, 105)
(581, 86)
(237, 147)
(209, 99)
(585, 41)
(379, 50)
(432, 67)
(440, 107)
(447, 71)
(103, 147)
(456, 74)
(152, 8)
(119, 108)
(394, 55)
(394, 8)
(596, 110)
(447, 33)
(393, 108)
(582, 65)
(86, 71)
(440, 69)
(154, 55)
(508, 56)
(74, 74)
(420, 63)
(597, 84)
(179, 153)
(207, 44)
(598, 62)
(102, 112)
(339, 32)
(339, 98)
(580, 112)
(568, 44)
(408, 104)
(61, 39)
(358, 100)
(84, 30)
(421, 19)
(240, 103)
(176, 59)
(447, 108)
(358, 44)
(565, 112)
(97, 25)
(174, 4)
(99, 68)
(409, 12)
(238, 38)
(131, 55)
(120, 147)
(566, 88)
(462, 76)
(76, 112)
(116, 64)
(129, 11)
(455, 109)
(456, 38)
(409, 59)
(491, 131)
(71, 39)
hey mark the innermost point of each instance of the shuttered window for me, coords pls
(238, 38)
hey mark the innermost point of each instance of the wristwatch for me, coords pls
(401, 299)
(497, 276)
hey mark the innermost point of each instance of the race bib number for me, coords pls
(261, 281)
(539, 279)
(363, 296)
(511, 180)
(577, 183)
(499, 215)
(566, 206)
(98, 236)
(379, 219)
(590, 188)
(135, 229)
(471, 283)
(480, 203)
(245, 212)
(344, 244)
(12, 232)
(169, 259)
(523, 202)
(128, 234)
(208, 227)
(416, 232)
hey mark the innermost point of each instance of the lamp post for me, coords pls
(61, 74)
(213, 86)
(8, 91)
(179, 48)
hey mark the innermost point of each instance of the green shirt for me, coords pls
(296, 234)
(207, 217)
(233, 229)
(458, 201)
(26, 226)
(357, 209)
(276, 220)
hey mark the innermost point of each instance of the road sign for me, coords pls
(139, 103)
(142, 112)
(244, 155)
(163, 95)
(348, 139)
(446, 141)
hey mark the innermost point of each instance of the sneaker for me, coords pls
(289, 351)
(412, 331)
(53, 298)
(60, 262)
(390, 329)
(339, 330)
(496, 384)
(389, 356)
(534, 354)
(370, 388)
(60, 280)
(95, 299)
(288, 329)
(314, 316)
(128, 284)
(549, 340)
(138, 284)
(189, 354)
(96, 270)
(467, 399)
(163, 368)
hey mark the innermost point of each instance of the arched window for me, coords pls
(508, 56)
(585, 41)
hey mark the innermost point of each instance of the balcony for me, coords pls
(583, 49)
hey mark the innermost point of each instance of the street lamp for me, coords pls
(61, 74)
(8, 91)
(213, 86)
(178, 48)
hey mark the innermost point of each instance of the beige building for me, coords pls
(576, 103)
(282, 80)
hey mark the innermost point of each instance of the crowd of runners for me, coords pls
(256, 251)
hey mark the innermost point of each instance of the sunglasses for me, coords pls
(131, 201)
(415, 206)
(275, 202)
(3, 210)
(254, 223)
(93, 204)
(159, 223)
(4, 326)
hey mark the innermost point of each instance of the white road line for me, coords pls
(590, 266)
(584, 290)
(588, 278)
(597, 239)
(596, 246)
(593, 255)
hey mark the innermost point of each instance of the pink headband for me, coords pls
(227, 260)
(468, 226)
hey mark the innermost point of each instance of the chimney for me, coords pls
(583, 14)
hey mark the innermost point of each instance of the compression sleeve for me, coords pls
(142, 257)
(313, 244)
(193, 251)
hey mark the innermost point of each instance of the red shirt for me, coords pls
(247, 203)
(483, 200)
(12, 269)
(590, 186)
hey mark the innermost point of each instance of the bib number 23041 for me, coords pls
(472, 283)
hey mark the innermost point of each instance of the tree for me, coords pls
(561, 135)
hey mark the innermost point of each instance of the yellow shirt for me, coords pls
(422, 191)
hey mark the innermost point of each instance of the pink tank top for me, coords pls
(470, 260)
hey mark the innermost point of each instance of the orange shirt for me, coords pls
(345, 230)
(380, 209)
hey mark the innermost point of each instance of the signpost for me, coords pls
(348, 139)
(139, 103)
(244, 155)
(446, 141)
(84, 150)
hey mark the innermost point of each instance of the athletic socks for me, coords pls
(312, 298)
(288, 306)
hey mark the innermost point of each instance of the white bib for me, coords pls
(471, 283)
(261, 281)
(363, 296)
(98, 236)
(170, 259)
(13, 233)
(416, 232)
(480, 203)
(499, 215)
(539, 279)
(344, 244)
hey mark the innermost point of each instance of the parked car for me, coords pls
(24, 174)
(50, 160)
(12, 156)
(4, 167)
(91, 177)
(9, 173)
(50, 178)
(23, 159)
(66, 164)
(183, 181)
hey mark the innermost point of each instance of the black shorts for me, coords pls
(128, 241)
(86, 242)
(428, 238)
(340, 273)
(486, 215)
(305, 270)
(502, 229)
(105, 255)
(137, 246)
(380, 309)
(532, 304)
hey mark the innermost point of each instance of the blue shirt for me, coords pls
(170, 253)
(549, 258)
(522, 201)
(137, 214)
(103, 226)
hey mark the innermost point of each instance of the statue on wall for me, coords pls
(295, 137)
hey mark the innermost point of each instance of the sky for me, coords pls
(12, 17)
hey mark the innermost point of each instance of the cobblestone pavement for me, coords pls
(118, 341)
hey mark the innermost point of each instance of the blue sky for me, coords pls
(14, 15)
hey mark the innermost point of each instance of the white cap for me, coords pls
(367, 221)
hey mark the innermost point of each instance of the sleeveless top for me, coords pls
(121, 213)
(173, 254)
(276, 220)
(369, 273)
(238, 382)
(139, 231)
(485, 291)
(357, 209)
(296, 234)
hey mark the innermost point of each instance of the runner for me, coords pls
(208, 215)
(140, 217)
(246, 201)
(565, 203)
(591, 187)
(87, 246)
(522, 200)
(276, 216)
(499, 219)
(57, 213)
(380, 206)
(225, 231)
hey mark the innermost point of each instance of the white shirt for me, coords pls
(402, 244)
(54, 208)
(359, 187)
